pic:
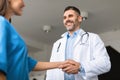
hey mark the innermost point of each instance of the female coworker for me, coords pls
(15, 64)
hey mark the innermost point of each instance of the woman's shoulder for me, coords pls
(3, 19)
(3, 23)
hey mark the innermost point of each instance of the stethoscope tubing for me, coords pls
(82, 43)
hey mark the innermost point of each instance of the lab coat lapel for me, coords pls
(78, 40)
(63, 44)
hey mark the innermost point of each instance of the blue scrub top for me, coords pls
(14, 59)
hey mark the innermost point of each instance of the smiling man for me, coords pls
(85, 51)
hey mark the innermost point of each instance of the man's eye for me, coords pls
(70, 15)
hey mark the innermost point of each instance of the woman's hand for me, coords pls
(2, 76)
(70, 67)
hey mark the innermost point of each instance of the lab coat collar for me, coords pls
(80, 32)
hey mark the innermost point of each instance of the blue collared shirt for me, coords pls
(69, 51)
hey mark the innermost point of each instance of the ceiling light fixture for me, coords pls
(47, 28)
(84, 15)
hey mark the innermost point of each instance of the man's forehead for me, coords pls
(68, 12)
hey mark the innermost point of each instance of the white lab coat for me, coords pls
(92, 55)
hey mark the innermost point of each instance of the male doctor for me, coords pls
(86, 54)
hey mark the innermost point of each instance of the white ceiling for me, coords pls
(104, 15)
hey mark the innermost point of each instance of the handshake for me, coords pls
(70, 66)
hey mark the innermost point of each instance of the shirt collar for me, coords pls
(73, 35)
(78, 32)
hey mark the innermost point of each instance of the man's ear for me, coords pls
(80, 18)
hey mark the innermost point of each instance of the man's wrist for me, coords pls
(80, 68)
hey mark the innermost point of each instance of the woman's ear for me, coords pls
(9, 0)
(10, 20)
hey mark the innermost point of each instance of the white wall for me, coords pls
(112, 38)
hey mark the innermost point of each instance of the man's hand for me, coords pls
(70, 67)
(2, 76)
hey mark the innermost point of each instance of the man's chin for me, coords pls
(70, 28)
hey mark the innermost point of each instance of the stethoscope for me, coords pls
(82, 40)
